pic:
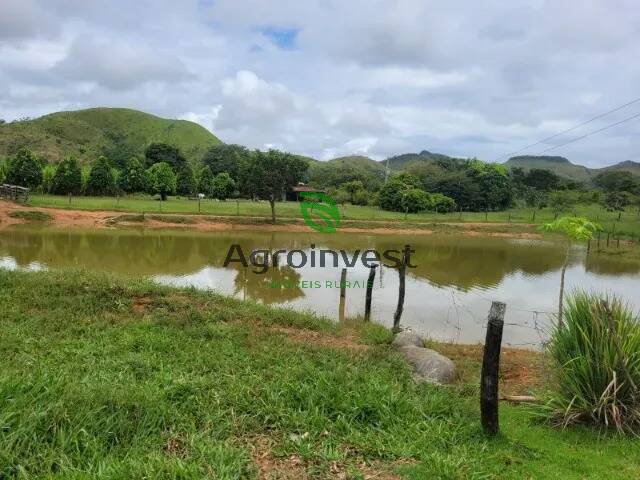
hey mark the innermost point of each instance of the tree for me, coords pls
(441, 203)
(414, 200)
(161, 180)
(48, 172)
(101, 180)
(24, 169)
(205, 185)
(186, 181)
(562, 201)
(542, 179)
(3, 169)
(617, 181)
(352, 188)
(67, 178)
(390, 197)
(576, 229)
(223, 186)
(617, 201)
(225, 158)
(132, 177)
(163, 152)
(272, 173)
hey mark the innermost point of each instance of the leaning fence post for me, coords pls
(491, 369)
(402, 270)
(367, 303)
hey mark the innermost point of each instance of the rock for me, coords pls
(428, 365)
(407, 339)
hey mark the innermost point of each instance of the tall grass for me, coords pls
(596, 352)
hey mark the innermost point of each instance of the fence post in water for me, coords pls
(491, 369)
(367, 302)
(402, 270)
(343, 283)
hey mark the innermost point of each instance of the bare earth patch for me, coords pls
(108, 219)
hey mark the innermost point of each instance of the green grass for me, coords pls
(31, 215)
(106, 377)
(628, 225)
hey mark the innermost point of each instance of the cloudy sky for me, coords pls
(334, 77)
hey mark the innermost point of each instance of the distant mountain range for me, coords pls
(564, 168)
(559, 165)
(96, 131)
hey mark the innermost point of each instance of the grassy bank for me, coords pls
(629, 223)
(103, 377)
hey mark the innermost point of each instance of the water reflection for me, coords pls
(448, 294)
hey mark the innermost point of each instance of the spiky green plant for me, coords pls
(576, 229)
(596, 354)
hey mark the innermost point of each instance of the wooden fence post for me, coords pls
(402, 270)
(199, 199)
(343, 282)
(491, 369)
(367, 303)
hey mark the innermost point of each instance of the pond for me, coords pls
(448, 293)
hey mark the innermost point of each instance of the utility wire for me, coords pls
(590, 133)
(569, 129)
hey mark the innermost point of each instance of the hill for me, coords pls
(359, 162)
(564, 168)
(559, 165)
(398, 162)
(628, 165)
(116, 132)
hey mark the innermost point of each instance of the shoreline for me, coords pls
(63, 218)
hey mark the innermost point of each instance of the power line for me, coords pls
(569, 129)
(590, 133)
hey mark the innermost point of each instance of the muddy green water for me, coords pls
(448, 294)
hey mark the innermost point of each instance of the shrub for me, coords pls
(414, 200)
(48, 173)
(186, 181)
(441, 203)
(161, 180)
(101, 180)
(205, 185)
(25, 169)
(223, 186)
(67, 178)
(133, 178)
(596, 355)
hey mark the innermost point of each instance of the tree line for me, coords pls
(225, 171)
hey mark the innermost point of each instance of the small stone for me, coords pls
(407, 339)
(428, 365)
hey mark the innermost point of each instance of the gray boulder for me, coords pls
(407, 339)
(428, 365)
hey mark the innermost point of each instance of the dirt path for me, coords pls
(65, 218)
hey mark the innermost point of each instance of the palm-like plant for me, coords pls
(575, 229)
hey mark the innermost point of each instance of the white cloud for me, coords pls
(365, 76)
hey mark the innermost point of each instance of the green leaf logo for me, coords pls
(320, 212)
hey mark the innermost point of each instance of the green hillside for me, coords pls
(359, 162)
(116, 132)
(628, 165)
(398, 162)
(559, 165)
